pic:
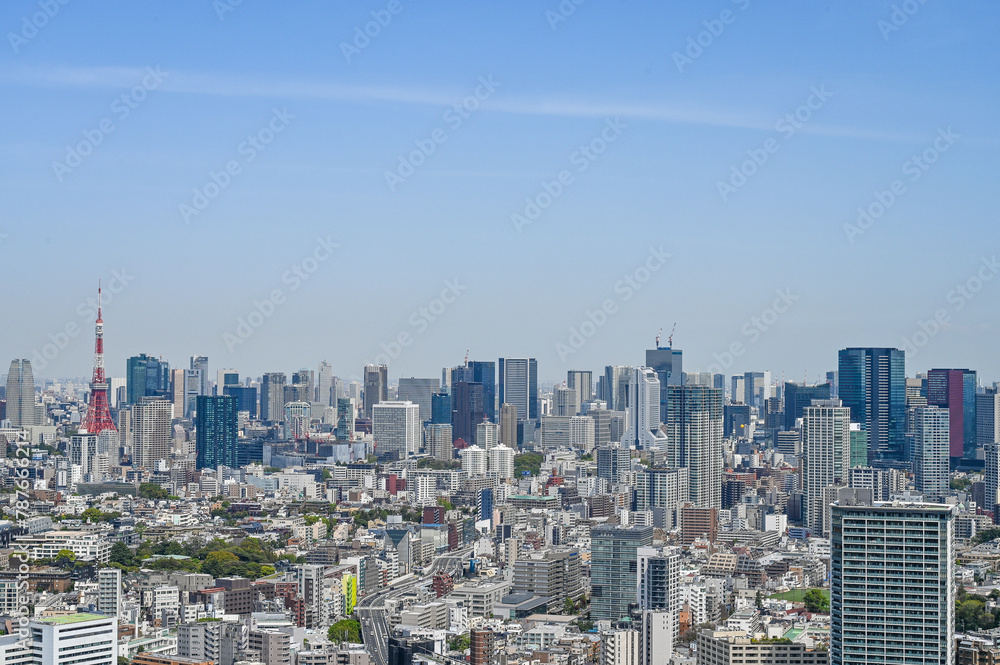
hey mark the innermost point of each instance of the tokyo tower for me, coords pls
(98, 414)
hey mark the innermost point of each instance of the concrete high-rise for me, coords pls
(518, 385)
(694, 423)
(325, 391)
(438, 441)
(272, 396)
(872, 383)
(613, 569)
(20, 394)
(826, 453)
(396, 429)
(224, 378)
(756, 388)
(668, 365)
(643, 431)
(151, 431)
(109, 591)
(418, 391)
(992, 477)
(659, 579)
(581, 381)
(565, 401)
(216, 431)
(200, 363)
(887, 607)
(376, 387)
(615, 386)
(931, 437)
(508, 425)
(74, 638)
(955, 390)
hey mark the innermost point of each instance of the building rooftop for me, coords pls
(72, 618)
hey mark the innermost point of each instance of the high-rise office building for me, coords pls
(200, 363)
(376, 387)
(737, 390)
(799, 396)
(613, 568)
(955, 390)
(225, 377)
(518, 385)
(82, 448)
(694, 423)
(931, 432)
(20, 394)
(484, 372)
(146, 376)
(177, 397)
(565, 401)
(644, 418)
(467, 410)
(615, 386)
(988, 417)
(420, 392)
(614, 463)
(992, 478)
(582, 382)
(668, 365)
(216, 430)
(826, 455)
(346, 412)
(662, 491)
(756, 388)
(892, 588)
(508, 425)
(272, 396)
(151, 431)
(438, 441)
(872, 383)
(246, 398)
(194, 382)
(324, 385)
(396, 429)
(441, 408)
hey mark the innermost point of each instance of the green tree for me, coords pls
(345, 630)
(219, 564)
(123, 660)
(569, 606)
(445, 503)
(152, 491)
(530, 462)
(816, 601)
(986, 535)
(122, 555)
(460, 643)
(65, 558)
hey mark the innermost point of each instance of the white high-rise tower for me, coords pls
(644, 411)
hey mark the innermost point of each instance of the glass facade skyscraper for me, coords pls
(955, 390)
(146, 376)
(872, 383)
(216, 431)
(484, 372)
(518, 385)
(614, 569)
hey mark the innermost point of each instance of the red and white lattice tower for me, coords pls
(98, 412)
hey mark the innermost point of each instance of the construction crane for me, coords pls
(658, 338)
(670, 340)
(467, 357)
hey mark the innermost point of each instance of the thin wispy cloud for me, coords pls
(199, 83)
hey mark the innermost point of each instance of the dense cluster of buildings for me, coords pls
(637, 516)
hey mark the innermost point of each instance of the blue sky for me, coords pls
(342, 123)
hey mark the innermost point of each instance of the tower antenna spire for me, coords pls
(98, 416)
